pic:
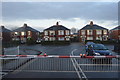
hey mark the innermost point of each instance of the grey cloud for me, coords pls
(60, 10)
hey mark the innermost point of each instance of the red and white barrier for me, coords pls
(57, 56)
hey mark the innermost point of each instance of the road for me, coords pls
(63, 68)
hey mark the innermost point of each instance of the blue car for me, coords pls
(97, 50)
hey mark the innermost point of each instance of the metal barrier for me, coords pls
(55, 63)
(12, 51)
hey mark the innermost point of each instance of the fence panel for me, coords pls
(60, 64)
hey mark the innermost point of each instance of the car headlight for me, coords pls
(98, 54)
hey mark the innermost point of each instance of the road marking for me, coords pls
(80, 69)
(75, 63)
(73, 51)
(76, 69)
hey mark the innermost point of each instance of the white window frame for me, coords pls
(98, 32)
(67, 39)
(104, 31)
(89, 32)
(23, 33)
(45, 32)
(67, 32)
(60, 32)
(61, 38)
(52, 32)
(46, 39)
(0, 34)
(89, 38)
(98, 38)
(82, 32)
(29, 32)
(16, 33)
(52, 38)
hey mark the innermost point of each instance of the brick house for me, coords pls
(25, 33)
(93, 32)
(57, 33)
(5, 34)
(115, 33)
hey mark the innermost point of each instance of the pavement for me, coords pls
(61, 68)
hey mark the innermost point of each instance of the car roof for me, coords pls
(90, 43)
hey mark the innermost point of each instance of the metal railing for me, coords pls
(56, 63)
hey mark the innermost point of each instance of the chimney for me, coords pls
(57, 23)
(25, 25)
(2, 27)
(91, 23)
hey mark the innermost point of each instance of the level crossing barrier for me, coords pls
(55, 63)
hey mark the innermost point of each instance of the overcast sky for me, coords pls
(41, 15)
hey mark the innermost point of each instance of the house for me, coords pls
(5, 34)
(25, 33)
(93, 32)
(57, 33)
(115, 33)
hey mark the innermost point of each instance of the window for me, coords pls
(46, 39)
(98, 31)
(61, 38)
(52, 32)
(23, 33)
(104, 31)
(17, 39)
(82, 32)
(46, 32)
(23, 39)
(98, 38)
(67, 39)
(16, 33)
(0, 34)
(90, 32)
(29, 32)
(52, 38)
(61, 32)
(89, 38)
(67, 32)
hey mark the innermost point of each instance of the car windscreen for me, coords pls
(99, 47)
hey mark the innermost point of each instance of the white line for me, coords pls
(80, 69)
(78, 65)
(76, 69)
(73, 51)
